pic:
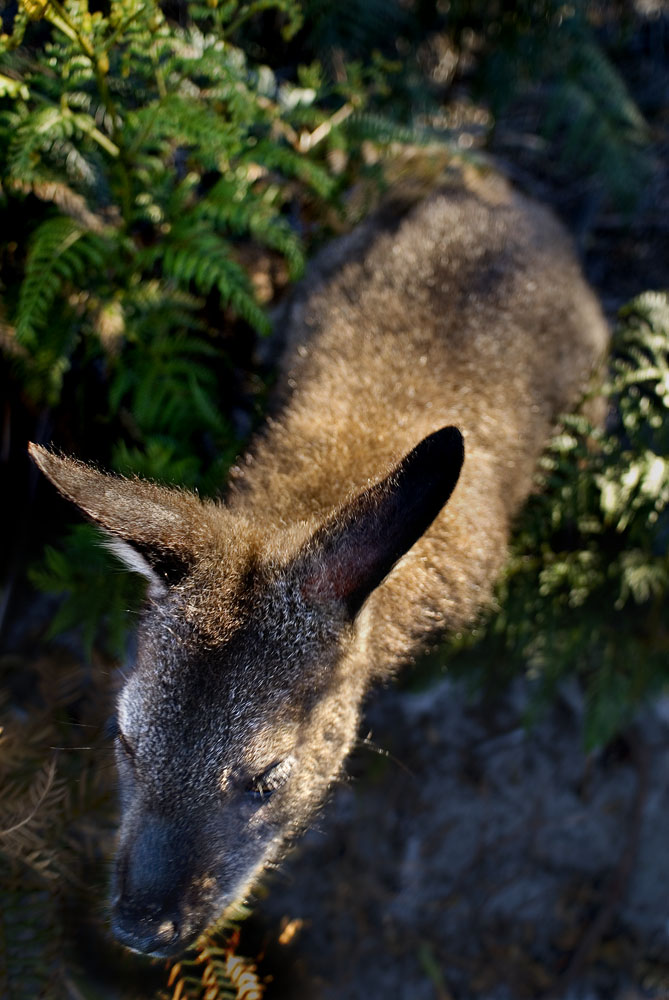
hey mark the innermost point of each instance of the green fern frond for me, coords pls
(170, 385)
(287, 161)
(50, 133)
(596, 539)
(160, 460)
(223, 207)
(197, 257)
(178, 120)
(383, 130)
(60, 251)
(97, 595)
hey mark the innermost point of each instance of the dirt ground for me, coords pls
(482, 860)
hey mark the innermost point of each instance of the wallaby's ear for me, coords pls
(352, 552)
(151, 526)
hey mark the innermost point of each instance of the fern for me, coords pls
(214, 971)
(97, 594)
(47, 837)
(586, 589)
(602, 130)
(58, 253)
(157, 154)
(197, 257)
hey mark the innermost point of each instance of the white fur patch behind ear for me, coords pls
(136, 563)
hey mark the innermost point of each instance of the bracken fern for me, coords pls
(586, 590)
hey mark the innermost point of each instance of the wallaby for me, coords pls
(335, 556)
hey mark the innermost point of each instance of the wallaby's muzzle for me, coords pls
(147, 902)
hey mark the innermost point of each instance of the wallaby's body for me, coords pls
(270, 616)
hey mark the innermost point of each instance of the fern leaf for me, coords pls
(60, 251)
(270, 155)
(251, 215)
(193, 255)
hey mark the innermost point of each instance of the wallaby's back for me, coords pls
(470, 310)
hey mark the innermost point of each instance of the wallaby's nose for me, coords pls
(151, 873)
(152, 937)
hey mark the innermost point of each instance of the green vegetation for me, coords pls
(586, 590)
(150, 172)
(139, 160)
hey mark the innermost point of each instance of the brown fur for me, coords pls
(473, 312)
(270, 616)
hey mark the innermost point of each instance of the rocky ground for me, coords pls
(480, 859)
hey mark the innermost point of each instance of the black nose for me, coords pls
(150, 879)
(158, 936)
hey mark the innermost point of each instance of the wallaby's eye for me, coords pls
(127, 749)
(112, 732)
(263, 786)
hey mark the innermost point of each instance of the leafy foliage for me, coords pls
(214, 970)
(149, 172)
(585, 106)
(51, 786)
(586, 590)
(149, 156)
(560, 57)
(94, 598)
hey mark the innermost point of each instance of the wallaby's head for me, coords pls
(244, 698)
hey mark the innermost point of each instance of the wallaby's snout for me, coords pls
(339, 552)
(148, 890)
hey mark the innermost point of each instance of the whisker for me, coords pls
(369, 744)
(72, 748)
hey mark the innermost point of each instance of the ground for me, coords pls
(482, 859)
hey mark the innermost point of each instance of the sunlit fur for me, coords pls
(470, 310)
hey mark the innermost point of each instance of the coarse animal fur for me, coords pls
(335, 556)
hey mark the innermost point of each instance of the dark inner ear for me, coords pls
(351, 553)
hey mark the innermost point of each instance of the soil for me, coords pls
(480, 859)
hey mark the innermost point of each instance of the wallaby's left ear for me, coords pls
(152, 527)
(352, 552)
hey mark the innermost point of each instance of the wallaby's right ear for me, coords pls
(349, 555)
(151, 527)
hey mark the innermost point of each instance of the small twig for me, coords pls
(369, 744)
(308, 140)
